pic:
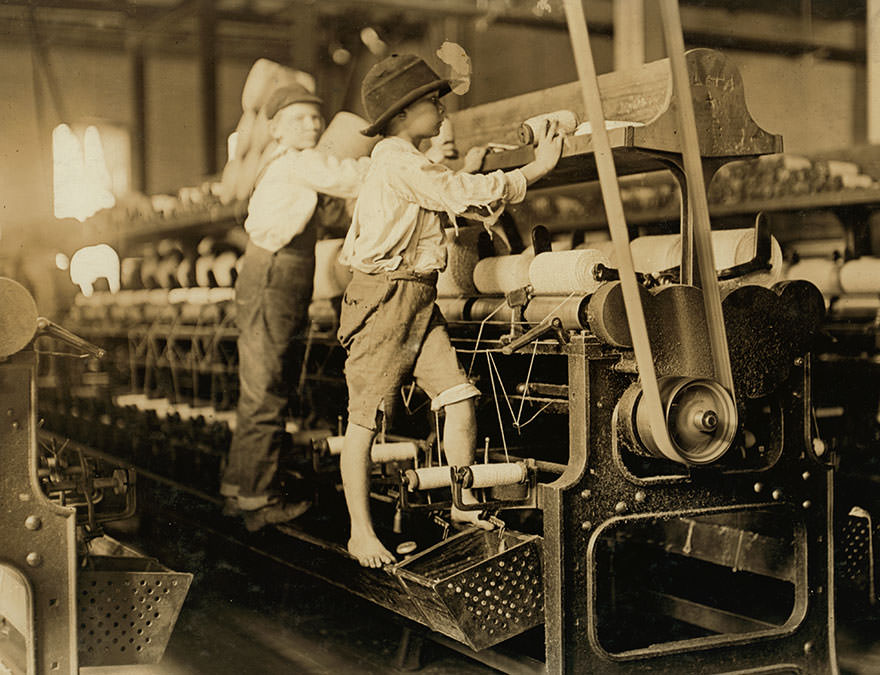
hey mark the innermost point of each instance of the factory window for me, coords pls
(91, 167)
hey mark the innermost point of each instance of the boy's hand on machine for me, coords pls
(549, 146)
(370, 552)
(547, 152)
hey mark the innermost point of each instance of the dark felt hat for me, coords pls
(394, 83)
(288, 95)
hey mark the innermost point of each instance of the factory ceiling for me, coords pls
(252, 28)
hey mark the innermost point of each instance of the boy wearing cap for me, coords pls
(390, 324)
(273, 292)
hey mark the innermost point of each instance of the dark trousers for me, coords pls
(272, 296)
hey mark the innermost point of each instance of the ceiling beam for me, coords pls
(703, 26)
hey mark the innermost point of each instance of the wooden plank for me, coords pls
(642, 95)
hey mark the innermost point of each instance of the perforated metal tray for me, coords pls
(478, 587)
(126, 609)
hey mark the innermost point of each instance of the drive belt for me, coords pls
(651, 399)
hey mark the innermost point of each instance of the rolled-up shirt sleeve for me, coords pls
(438, 188)
(327, 174)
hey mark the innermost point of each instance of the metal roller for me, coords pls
(493, 475)
(428, 478)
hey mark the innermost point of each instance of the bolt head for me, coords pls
(640, 496)
(620, 507)
(34, 559)
(33, 522)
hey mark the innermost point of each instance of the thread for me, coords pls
(491, 475)
(461, 259)
(428, 478)
(565, 272)
(861, 275)
(528, 130)
(331, 277)
(501, 274)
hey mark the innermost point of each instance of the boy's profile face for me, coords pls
(425, 115)
(297, 126)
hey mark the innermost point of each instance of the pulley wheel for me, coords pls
(700, 417)
(18, 317)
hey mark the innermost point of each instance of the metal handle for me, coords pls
(51, 329)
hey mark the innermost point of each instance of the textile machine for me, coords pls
(661, 498)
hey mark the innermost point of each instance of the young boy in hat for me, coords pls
(390, 324)
(273, 292)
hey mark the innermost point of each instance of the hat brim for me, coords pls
(443, 86)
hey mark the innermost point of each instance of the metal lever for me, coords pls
(555, 327)
(51, 329)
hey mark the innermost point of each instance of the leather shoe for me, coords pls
(272, 514)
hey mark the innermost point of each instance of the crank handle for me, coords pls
(51, 329)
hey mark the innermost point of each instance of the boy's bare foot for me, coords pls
(471, 518)
(369, 551)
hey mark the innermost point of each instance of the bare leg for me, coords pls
(459, 438)
(355, 466)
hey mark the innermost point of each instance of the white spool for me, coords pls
(492, 475)
(823, 273)
(501, 274)
(331, 277)
(564, 272)
(429, 478)
(393, 452)
(380, 452)
(861, 275)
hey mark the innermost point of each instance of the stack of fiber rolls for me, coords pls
(562, 281)
(471, 289)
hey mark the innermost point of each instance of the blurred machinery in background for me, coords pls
(702, 543)
(71, 596)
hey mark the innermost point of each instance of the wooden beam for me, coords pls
(208, 83)
(873, 41)
(139, 174)
(629, 33)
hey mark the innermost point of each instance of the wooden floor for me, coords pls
(244, 620)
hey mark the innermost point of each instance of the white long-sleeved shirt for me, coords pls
(287, 193)
(404, 192)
